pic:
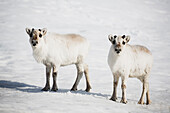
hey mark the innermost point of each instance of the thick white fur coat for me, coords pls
(133, 61)
(61, 50)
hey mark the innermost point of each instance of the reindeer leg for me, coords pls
(123, 86)
(145, 89)
(115, 83)
(148, 101)
(47, 86)
(54, 88)
(79, 76)
(86, 72)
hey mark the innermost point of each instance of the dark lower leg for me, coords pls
(47, 86)
(79, 76)
(114, 95)
(141, 101)
(115, 83)
(86, 72)
(123, 86)
(54, 88)
(148, 101)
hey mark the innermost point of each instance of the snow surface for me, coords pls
(21, 78)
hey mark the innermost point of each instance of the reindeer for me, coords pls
(55, 50)
(127, 61)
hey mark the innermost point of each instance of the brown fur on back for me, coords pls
(75, 37)
(137, 48)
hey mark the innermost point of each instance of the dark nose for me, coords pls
(34, 42)
(118, 50)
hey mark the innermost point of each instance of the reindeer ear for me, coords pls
(110, 37)
(127, 38)
(28, 30)
(44, 31)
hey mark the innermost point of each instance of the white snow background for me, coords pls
(21, 78)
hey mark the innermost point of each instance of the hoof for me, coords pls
(88, 89)
(140, 102)
(54, 89)
(113, 99)
(45, 89)
(149, 102)
(123, 101)
(74, 89)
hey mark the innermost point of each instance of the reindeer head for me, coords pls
(36, 35)
(119, 42)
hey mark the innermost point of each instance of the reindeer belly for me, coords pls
(69, 60)
(67, 63)
(137, 72)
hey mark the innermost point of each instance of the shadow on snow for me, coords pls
(82, 92)
(19, 86)
(36, 89)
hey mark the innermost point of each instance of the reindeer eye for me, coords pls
(115, 36)
(113, 42)
(40, 35)
(123, 36)
(123, 43)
